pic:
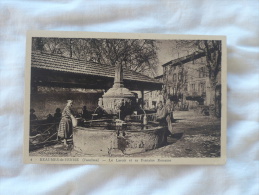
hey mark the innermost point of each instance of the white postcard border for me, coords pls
(123, 160)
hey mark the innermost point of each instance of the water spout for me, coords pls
(94, 115)
(144, 117)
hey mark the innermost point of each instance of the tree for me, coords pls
(134, 54)
(37, 44)
(182, 83)
(213, 54)
(212, 51)
(175, 83)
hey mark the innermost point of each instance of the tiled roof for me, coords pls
(65, 64)
(159, 76)
(185, 59)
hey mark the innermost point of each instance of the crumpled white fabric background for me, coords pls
(237, 19)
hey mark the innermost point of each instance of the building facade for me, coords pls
(153, 97)
(186, 81)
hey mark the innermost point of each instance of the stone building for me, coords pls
(186, 81)
(153, 97)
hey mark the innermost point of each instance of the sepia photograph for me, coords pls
(129, 97)
(109, 98)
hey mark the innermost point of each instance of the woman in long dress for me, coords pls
(65, 126)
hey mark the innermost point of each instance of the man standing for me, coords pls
(161, 114)
(169, 115)
(164, 118)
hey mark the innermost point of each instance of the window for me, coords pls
(202, 87)
(174, 77)
(184, 78)
(186, 87)
(174, 91)
(170, 78)
(153, 94)
(202, 72)
(179, 76)
(193, 86)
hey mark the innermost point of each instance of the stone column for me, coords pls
(113, 98)
(142, 95)
(118, 78)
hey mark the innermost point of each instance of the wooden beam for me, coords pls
(41, 77)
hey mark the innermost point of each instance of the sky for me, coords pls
(167, 51)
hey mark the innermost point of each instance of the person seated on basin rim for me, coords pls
(65, 126)
(32, 115)
(57, 115)
(85, 113)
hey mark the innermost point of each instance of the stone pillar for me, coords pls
(142, 96)
(118, 78)
(118, 99)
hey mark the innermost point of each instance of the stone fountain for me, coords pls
(103, 139)
(118, 98)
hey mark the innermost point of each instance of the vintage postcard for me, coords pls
(114, 98)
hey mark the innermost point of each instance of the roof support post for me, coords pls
(142, 95)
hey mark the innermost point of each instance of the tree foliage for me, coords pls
(212, 51)
(134, 54)
(213, 54)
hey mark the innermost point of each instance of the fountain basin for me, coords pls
(138, 138)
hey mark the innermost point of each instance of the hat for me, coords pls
(58, 110)
(69, 101)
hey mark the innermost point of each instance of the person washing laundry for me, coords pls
(65, 129)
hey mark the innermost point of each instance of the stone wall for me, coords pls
(106, 142)
(46, 103)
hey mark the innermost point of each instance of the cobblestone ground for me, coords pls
(196, 136)
(200, 137)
